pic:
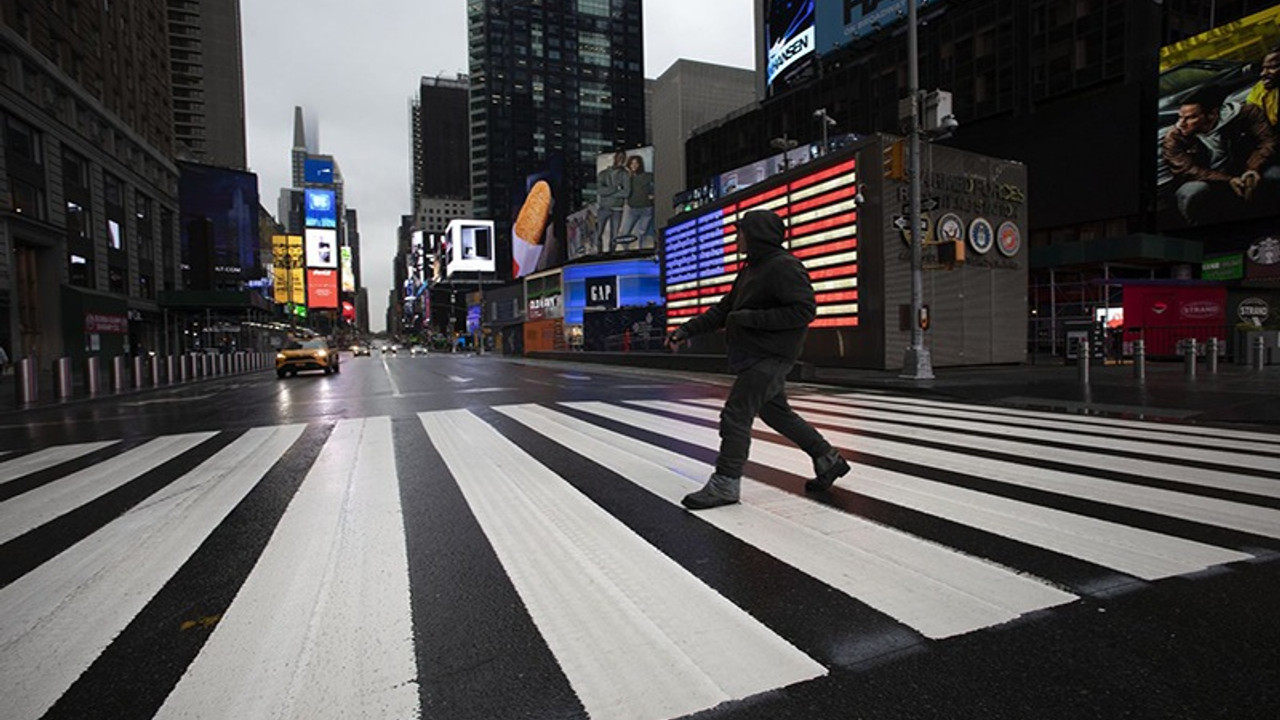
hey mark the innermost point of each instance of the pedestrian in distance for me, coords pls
(765, 316)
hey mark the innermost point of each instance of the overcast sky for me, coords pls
(355, 67)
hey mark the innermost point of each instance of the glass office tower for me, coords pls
(554, 83)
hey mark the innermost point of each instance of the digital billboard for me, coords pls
(321, 209)
(621, 219)
(701, 255)
(219, 224)
(840, 22)
(348, 269)
(470, 245)
(286, 257)
(322, 248)
(318, 171)
(1217, 158)
(790, 43)
(539, 214)
(322, 289)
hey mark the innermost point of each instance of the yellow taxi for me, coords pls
(308, 354)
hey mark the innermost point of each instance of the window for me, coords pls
(22, 142)
(28, 200)
(115, 280)
(78, 223)
(80, 270)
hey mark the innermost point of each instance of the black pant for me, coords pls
(761, 390)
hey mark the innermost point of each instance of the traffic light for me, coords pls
(895, 160)
(951, 252)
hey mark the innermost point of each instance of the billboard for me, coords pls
(286, 257)
(348, 269)
(621, 219)
(321, 209)
(538, 221)
(318, 171)
(219, 224)
(322, 289)
(701, 255)
(471, 247)
(322, 248)
(790, 43)
(840, 22)
(1217, 116)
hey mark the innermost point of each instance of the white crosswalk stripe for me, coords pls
(322, 621)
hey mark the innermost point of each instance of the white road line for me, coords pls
(321, 628)
(1141, 553)
(636, 635)
(1030, 435)
(55, 620)
(933, 589)
(30, 510)
(47, 458)
(1134, 431)
(1224, 434)
(1210, 511)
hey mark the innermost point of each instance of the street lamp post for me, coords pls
(916, 363)
(827, 120)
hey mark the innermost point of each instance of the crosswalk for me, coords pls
(534, 560)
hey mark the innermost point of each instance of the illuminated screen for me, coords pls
(318, 171)
(840, 22)
(322, 289)
(790, 40)
(321, 209)
(322, 248)
(701, 256)
(1218, 107)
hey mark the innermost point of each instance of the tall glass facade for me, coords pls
(554, 83)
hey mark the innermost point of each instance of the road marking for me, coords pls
(337, 564)
(62, 615)
(163, 401)
(936, 590)
(47, 458)
(1141, 553)
(636, 634)
(40, 505)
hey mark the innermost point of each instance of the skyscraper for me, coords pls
(552, 85)
(441, 138)
(207, 82)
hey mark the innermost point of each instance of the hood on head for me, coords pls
(763, 232)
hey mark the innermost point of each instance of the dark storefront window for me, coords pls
(80, 270)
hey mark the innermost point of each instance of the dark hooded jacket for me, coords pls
(767, 312)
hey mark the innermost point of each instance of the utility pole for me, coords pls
(916, 363)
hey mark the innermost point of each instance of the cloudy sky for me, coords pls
(355, 68)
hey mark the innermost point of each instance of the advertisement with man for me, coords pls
(622, 218)
(1218, 159)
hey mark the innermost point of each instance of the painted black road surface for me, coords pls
(458, 536)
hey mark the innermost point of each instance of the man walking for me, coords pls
(765, 316)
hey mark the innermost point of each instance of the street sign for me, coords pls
(926, 205)
(902, 223)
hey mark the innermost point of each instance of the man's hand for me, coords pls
(675, 339)
(1246, 184)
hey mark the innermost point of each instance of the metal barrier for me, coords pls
(169, 368)
(1139, 360)
(1211, 356)
(93, 375)
(62, 384)
(1258, 353)
(28, 385)
(117, 373)
(1189, 353)
(137, 371)
(155, 370)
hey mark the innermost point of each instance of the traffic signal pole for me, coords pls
(916, 363)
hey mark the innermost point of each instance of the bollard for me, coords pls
(1259, 354)
(169, 369)
(1082, 360)
(117, 373)
(1211, 356)
(93, 375)
(138, 369)
(1139, 360)
(62, 378)
(155, 370)
(28, 386)
(1189, 347)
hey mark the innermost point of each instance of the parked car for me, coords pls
(310, 354)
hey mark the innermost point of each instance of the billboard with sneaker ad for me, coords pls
(1218, 113)
(538, 221)
(790, 44)
(621, 219)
